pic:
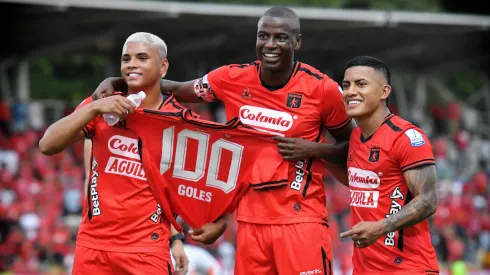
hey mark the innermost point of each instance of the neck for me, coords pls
(370, 123)
(276, 78)
(153, 98)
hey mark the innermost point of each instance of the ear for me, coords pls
(385, 93)
(164, 67)
(299, 38)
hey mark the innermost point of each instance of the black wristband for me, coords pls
(178, 236)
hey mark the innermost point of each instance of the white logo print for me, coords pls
(367, 199)
(311, 272)
(129, 168)
(266, 118)
(124, 146)
(415, 137)
(363, 178)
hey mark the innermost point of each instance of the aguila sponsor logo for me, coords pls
(124, 146)
(124, 167)
(266, 118)
(363, 178)
(367, 199)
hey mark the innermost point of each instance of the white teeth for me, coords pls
(271, 55)
(354, 102)
(133, 74)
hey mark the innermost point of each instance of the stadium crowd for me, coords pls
(41, 197)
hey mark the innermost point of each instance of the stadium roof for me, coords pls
(226, 33)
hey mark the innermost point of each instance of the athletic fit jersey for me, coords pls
(378, 189)
(307, 105)
(200, 169)
(120, 213)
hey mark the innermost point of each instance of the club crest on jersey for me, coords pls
(246, 93)
(374, 154)
(294, 100)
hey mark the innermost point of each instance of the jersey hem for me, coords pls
(279, 220)
(400, 272)
(127, 249)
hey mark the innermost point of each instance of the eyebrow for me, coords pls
(357, 80)
(142, 53)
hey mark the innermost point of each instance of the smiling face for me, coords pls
(365, 91)
(141, 65)
(276, 43)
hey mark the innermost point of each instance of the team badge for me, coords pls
(294, 100)
(246, 93)
(374, 154)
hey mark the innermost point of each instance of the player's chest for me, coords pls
(286, 111)
(115, 151)
(370, 166)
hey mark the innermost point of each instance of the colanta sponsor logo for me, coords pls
(266, 118)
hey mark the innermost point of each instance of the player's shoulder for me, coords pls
(408, 130)
(237, 70)
(311, 72)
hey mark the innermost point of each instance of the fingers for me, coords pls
(349, 233)
(281, 139)
(285, 146)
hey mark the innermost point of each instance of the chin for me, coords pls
(356, 113)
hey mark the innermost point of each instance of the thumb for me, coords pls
(195, 232)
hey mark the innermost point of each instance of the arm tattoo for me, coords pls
(421, 182)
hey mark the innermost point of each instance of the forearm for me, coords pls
(183, 91)
(333, 153)
(420, 208)
(66, 131)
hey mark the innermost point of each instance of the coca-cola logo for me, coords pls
(363, 178)
(266, 118)
(124, 146)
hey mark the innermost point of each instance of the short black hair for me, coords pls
(283, 12)
(376, 64)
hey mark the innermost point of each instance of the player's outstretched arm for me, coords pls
(422, 184)
(183, 91)
(336, 154)
(69, 129)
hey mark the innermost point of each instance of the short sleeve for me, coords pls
(412, 149)
(88, 130)
(334, 115)
(210, 87)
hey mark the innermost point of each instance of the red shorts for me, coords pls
(302, 248)
(100, 262)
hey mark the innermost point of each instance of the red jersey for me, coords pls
(378, 190)
(200, 169)
(305, 107)
(121, 213)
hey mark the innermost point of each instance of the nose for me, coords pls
(271, 42)
(348, 92)
(132, 63)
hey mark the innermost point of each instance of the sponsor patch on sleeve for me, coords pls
(203, 89)
(416, 138)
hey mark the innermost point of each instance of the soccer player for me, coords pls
(391, 176)
(282, 224)
(122, 231)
